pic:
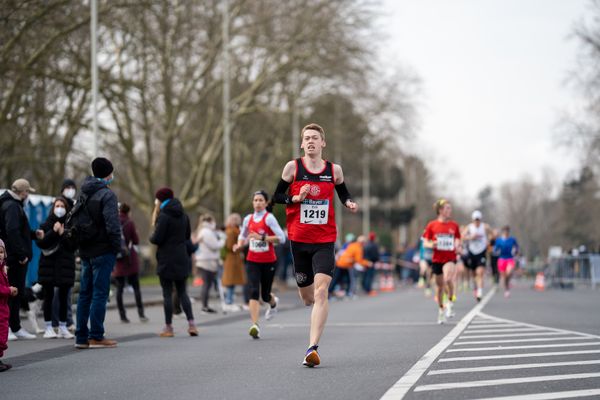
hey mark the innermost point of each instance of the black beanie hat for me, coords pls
(101, 167)
(163, 194)
(68, 183)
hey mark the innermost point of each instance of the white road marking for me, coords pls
(488, 326)
(403, 385)
(549, 396)
(508, 330)
(511, 335)
(523, 340)
(507, 381)
(531, 346)
(355, 324)
(511, 367)
(522, 355)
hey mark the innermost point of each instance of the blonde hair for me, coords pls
(313, 127)
(438, 205)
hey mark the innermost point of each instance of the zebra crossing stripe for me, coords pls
(521, 355)
(531, 346)
(505, 381)
(549, 396)
(511, 367)
(511, 335)
(523, 340)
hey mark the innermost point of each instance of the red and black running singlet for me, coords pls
(260, 251)
(312, 220)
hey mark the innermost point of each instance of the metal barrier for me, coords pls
(568, 271)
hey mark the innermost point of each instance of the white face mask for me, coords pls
(60, 212)
(69, 193)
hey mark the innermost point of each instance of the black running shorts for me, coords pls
(475, 260)
(310, 259)
(437, 268)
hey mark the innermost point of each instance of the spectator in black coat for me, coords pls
(57, 267)
(171, 234)
(17, 235)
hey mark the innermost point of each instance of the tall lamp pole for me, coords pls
(226, 125)
(94, 40)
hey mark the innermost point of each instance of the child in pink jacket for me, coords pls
(6, 291)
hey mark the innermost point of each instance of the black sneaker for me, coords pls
(4, 367)
(208, 310)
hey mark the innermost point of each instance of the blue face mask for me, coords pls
(109, 181)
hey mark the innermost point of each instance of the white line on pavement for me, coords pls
(523, 355)
(549, 396)
(488, 326)
(531, 346)
(550, 339)
(511, 335)
(547, 328)
(355, 324)
(507, 381)
(509, 330)
(511, 367)
(403, 385)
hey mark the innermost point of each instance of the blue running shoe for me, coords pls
(312, 358)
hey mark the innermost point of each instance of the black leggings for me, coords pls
(167, 289)
(208, 277)
(134, 281)
(260, 279)
(63, 293)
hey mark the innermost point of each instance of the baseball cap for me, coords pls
(22, 185)
(476, 215)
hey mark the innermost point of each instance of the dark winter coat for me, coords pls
(15, 230)
(58, 268)
(171, 234)
(130, 264)
(103, 207)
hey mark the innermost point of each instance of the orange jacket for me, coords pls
(351, 255)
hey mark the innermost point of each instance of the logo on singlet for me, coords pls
(325, 178)
(314, 190)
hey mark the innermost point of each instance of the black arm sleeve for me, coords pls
(343, 193)
(281, 195)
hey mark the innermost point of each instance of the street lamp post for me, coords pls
(366, 186)
(226, 125)
(94, 73)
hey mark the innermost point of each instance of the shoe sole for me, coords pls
(311, 360)
(102, 346)
(193, 333)
(82, 346)
(255, 333)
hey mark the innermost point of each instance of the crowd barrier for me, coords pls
(568, 271)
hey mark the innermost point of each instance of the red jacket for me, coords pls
(129, 265)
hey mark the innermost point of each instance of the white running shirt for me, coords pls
(479, 241)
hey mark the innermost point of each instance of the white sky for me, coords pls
(494, 75)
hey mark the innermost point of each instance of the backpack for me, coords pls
(79, 225)
(124, 249)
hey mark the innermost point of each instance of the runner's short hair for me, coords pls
(314, 127)
(437, 206)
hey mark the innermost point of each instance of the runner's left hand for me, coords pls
(352, 206)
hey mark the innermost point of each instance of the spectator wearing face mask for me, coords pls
(56, 267)
(68, 190)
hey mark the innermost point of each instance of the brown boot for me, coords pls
(167, 332)
(193, 331)
(102, 344)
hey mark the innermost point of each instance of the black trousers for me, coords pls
(63, 294)
(134, 281)
(167, 289)
(16, 278)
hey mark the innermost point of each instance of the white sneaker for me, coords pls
(271, 311)
(441, 316)
(11, 335)
(49, 333)
(23, 334)
(63, 333)
(449, 311)
(479, 294)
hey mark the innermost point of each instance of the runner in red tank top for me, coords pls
(311, 226)
(443, 235)
(259, 232)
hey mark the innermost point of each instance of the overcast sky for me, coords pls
(494, 75)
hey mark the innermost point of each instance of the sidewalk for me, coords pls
(152, 297)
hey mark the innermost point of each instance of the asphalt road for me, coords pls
(368, 345)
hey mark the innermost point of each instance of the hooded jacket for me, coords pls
(103, 207)
(15, 230)
(170, 235)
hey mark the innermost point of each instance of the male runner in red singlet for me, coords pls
(443, 235)
(311, 226)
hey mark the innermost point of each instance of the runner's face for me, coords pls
(259, 202)
(312, 143)
(446, 211)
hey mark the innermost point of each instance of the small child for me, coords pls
(6, 291)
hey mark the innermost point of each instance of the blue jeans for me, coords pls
(368, 277)
(93, 295)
